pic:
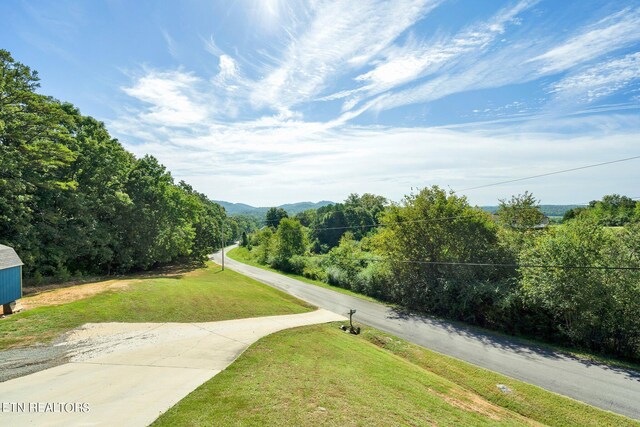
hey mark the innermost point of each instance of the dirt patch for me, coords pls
(74, 293)
(62, 293)
(471, 402)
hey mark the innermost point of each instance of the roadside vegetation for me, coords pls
(318, 375)
(203, 295)
(576, 284)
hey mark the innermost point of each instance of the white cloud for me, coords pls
(295, 161)
(600, 80)
(341, 36)
(214, 131)
(228, 67)
(613, 32)
(406, 63)
(172, 97)
(518, 62)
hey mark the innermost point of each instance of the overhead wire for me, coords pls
(549, 173)
(480, 264)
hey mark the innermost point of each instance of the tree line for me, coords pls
(74, 202)
(512, 271)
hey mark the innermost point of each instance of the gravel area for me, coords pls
(24, 361)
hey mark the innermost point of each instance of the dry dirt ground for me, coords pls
(62, 293)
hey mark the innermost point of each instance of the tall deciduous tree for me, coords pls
(433, 227)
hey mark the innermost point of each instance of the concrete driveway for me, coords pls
(129, 373)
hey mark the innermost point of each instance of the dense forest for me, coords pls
(74, 202)
(576, 283)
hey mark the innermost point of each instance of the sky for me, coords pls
(270, 101)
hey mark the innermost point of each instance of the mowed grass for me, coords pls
(203, 295)
(244, 255)
(319, 375)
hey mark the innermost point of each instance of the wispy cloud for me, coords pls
(613, 32)
(171, 44)
(340, 37)
(600, 80)
(516, 62)
(414, 60)
(244, 122)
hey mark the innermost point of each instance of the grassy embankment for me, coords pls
(243, 255)
(320, 375)
(203, 295)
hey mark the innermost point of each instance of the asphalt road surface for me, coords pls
(609, 388)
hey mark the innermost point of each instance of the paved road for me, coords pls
(613, 389)
(127, 374)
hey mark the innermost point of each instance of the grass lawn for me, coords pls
(243, 255)
(320, 375)
(203, 295)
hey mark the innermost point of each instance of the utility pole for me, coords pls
(222, 237)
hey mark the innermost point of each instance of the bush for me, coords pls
(314, 269)
(374, 280)
(297, 264)
(338, 277)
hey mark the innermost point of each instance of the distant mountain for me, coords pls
(291, 208)
(548, 210)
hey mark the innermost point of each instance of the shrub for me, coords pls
(297, 264)
(338, 277)
(374, 280)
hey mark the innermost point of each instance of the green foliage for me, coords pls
(306, 218)
(262, 243)
(522, 212)
(435, 226)
(73, 200)
(358, 214)
(613, 210)
(288, 241)
(274, 216)
(593, 308)
(314, 269)
(244, 241)
(346, 261)
(374, 280)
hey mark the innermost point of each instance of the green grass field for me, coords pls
(203, 295)
(318, 375)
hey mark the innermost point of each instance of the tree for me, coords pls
(289, 240)
(274, 216)
(433, 227)
(521, 212)
(74, 201)
(592, 308)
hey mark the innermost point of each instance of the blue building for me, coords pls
(10, 278)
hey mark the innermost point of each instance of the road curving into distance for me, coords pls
(609, 388)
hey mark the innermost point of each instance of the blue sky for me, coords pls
(268, 101)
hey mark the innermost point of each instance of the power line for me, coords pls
(507, 265)
(549, 173)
